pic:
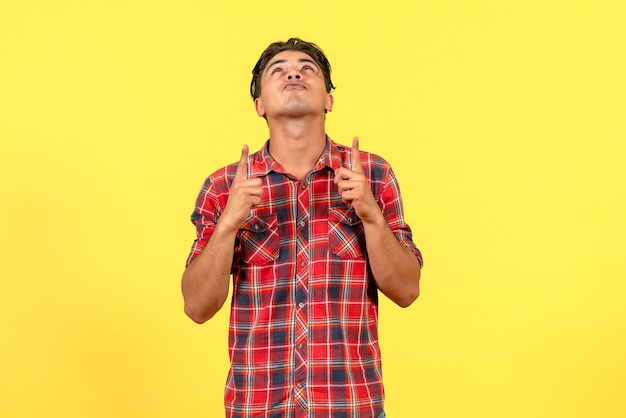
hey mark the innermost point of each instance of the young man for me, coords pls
(310, 231)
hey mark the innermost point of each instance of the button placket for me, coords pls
(301, 296)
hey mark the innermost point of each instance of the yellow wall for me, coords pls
(505, 122)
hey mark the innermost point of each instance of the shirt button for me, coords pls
(303, 263)
(301, 304)
(303, 186)
(299, 346)
(302, 223)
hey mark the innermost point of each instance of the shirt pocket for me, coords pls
(346, 238)
(259, 239)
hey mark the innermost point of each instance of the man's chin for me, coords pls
(297, 110)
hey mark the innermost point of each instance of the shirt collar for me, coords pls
(262, 162)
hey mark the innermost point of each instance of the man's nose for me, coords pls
(293, 75)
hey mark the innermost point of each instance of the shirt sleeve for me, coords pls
(390, 201)
(204, 216)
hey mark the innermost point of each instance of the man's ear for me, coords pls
(330, 100)
(258, 105)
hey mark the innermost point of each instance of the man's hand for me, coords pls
(245, 193)
(354, 188)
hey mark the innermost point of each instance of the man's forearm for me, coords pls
(205, 282)
(395, 268)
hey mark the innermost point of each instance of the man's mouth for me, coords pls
(294, 86)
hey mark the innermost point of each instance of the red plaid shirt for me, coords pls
(303, 336)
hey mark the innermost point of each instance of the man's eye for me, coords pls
(276, 70)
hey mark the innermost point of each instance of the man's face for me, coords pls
(292, 85)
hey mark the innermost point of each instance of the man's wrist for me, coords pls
(224, 228)
(376, 220)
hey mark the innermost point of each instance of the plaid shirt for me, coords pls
(303, 336)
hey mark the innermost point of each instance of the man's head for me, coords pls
(293, 44)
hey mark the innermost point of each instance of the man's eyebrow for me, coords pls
(274, 63)
(300, 61)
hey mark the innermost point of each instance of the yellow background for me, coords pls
(504, 121)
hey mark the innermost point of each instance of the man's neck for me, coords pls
(296, 144)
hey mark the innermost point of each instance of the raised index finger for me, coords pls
(356, 156)
(242, 165)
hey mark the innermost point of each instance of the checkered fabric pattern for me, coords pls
(303, 336)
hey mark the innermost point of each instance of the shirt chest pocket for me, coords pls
(346, 238)
(259, 239)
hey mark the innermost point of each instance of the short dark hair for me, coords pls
(293, 44)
